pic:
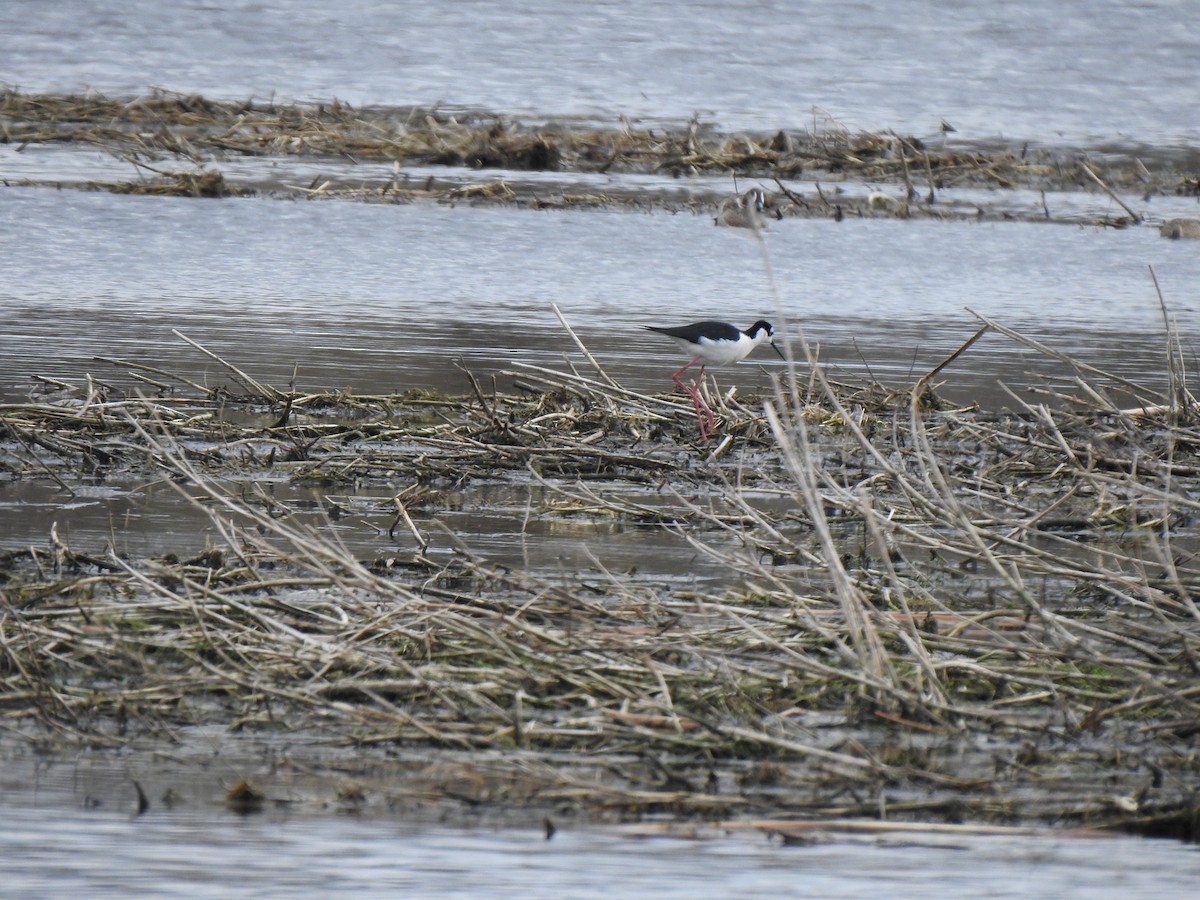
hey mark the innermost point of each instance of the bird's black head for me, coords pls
(761, 325)
(756, 333)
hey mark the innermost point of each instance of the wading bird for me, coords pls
(745, 211)
(714, 344)
(1177, 229)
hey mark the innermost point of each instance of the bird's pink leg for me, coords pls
(683, 387)
(702, 406)
(698, 404)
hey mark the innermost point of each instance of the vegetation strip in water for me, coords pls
(164, 126)
(942, 615)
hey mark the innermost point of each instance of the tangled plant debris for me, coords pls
(157, 131)
(941, 615)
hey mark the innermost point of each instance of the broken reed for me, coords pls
(933, 603)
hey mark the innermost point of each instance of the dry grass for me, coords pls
(931, 613)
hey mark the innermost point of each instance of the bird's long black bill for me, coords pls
(775, 347)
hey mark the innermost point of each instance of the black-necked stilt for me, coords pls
(745, 211)
(714, 344)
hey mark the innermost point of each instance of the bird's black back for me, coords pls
(714, 331)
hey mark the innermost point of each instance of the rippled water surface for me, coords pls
(104, 853)
(70, 829)
(384, 298)
(1073, 71)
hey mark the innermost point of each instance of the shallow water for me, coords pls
(70, 828)
(1073, 72)
(50, 850)
(383, 298)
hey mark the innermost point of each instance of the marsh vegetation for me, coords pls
(932, 613)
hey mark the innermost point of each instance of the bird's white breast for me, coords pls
(720, 353)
